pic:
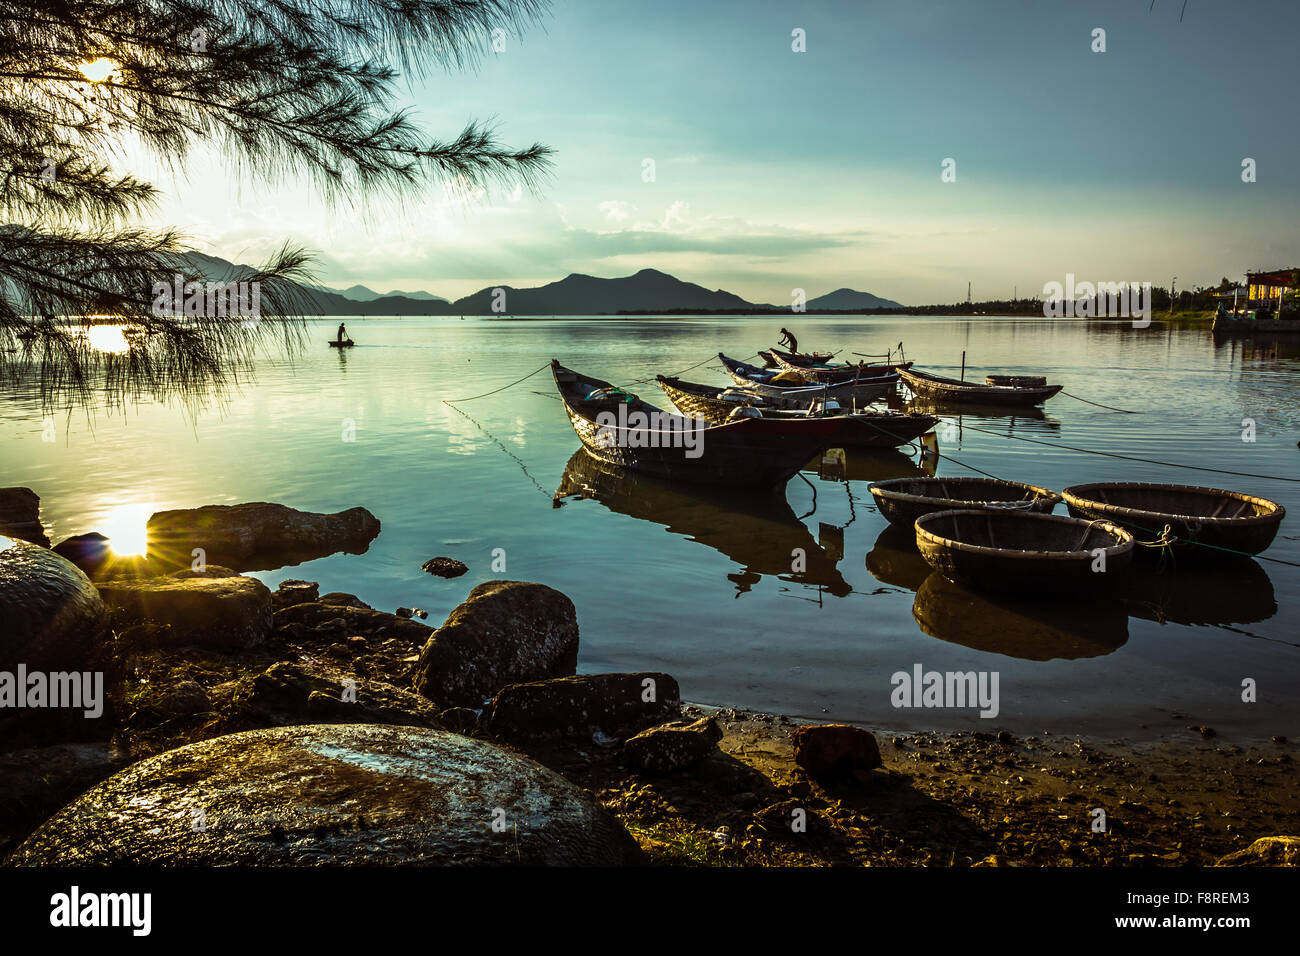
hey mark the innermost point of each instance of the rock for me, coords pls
(834, 751)
(343, 599)
(506, 632)
(52, 615)
(186, 698)
(294, 592)
(20, 516)
(258, 535)
(612, 704)
(1266, 851)
(297, 693)
(41, 780)
(333, 795)
(674, 745)
(342, 620)
(444, 567)
(86, 551)
(461, 720)
(228, 612)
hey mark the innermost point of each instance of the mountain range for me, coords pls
(648, 291)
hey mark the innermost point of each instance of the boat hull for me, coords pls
(936, 388)
(902, 500)
(1024, 553)
(1208, 524)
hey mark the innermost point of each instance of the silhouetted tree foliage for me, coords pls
(283, 88)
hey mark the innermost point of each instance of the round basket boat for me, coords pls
(1023, 552)
(1016, 381)
(1208, 523)
(902, 500)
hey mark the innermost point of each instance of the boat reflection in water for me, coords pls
(1237, 592)
(895, 560)
(758, 531)
(867, 464)
(992, 417)
(1029, 630)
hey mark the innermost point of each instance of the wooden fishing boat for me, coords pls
(763, 382)
(345, 344)
(813, 374)
(861, 429)
(1016, 381)
(1024, 552)
(1206, 523)
(620, 429)
(902, 500)
(936, 388)
(803, 358)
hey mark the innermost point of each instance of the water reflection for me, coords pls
(868, 464)
(1239, 592)
(757, 531)
(895, 560)
(1032, 419)
(1029, 630)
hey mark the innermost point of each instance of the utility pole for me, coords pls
(1171, 294)
(968, 293)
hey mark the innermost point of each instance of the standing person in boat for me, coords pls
(788, 339)
(343, 332)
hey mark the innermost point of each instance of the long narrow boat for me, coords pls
(834, 373)
(803, 358)
(902, 500)
(861, 430)
(620, 429)
(764, 382)
(1206, 523)
(936, 388)
(1022, 552)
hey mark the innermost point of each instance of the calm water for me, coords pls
(698, 584)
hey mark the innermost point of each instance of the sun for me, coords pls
(125, 528)
(100, 69)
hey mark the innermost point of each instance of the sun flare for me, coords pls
(125, 529)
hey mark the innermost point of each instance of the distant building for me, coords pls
(1268, 288)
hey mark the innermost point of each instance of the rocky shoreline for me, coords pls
(241, 725)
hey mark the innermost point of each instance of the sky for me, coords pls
(777, 170)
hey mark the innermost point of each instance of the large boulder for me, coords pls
(20, 516)
(1266, 851)
(87, 551)
(259, 535)
(52, 615)
(333, 795)
(615, 705)
(222, 612)
(38, 781)
(506, 632)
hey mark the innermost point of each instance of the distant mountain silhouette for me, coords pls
(847, 299)
(648, 291)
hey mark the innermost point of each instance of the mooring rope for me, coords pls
(1148, 461)
(1111, 408)
(497, 442)
(457, 401)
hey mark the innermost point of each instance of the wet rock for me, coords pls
(506, 632)
(52, 615)
(20, 516)
(86, 551)
(333, 795)
(294, 592)
(410, 612)
(227, 612)
(444, 567)
(1266, 851)
(674, 745)
(835, 751)
(617, 705)
(258, 535)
